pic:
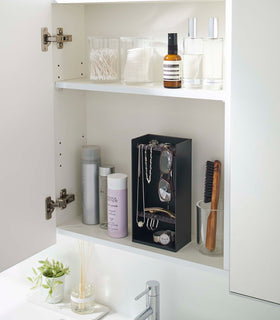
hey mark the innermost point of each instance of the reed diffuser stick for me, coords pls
(85, 252)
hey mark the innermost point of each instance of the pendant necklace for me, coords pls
(140, 170)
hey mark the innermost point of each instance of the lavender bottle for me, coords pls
(117, 205)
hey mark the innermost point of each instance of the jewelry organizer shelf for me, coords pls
(188, 256)
(153, 90)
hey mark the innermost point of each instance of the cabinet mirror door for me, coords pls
(255, 152)
(26, 131)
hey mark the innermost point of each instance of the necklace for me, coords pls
(148, 178)
(151, 145)
(140, 170)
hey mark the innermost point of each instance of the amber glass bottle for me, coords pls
(172, 64)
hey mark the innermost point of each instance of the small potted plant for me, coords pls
(50, 276)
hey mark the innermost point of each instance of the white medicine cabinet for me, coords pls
(53, 109)
(115, 113)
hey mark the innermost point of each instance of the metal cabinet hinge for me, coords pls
(60, 38)
(61, 202)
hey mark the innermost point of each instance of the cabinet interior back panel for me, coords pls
(151, 19)
(114, 119)
(124, 19)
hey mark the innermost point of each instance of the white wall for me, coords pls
(186, 293)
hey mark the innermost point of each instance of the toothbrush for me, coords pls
(212, 189)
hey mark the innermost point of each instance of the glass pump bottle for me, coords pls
(192, 58)
(213, 58)
(172, 64)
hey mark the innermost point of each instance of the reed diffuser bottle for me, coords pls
(82, 296)
(172, 64)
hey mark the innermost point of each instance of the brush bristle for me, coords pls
(208, 181)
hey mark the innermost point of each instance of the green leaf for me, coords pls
(51, 270)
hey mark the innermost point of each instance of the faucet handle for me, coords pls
(140, 295)
(152, 287)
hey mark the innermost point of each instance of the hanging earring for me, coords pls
(153, 224)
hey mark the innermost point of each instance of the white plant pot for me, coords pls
(58, 291)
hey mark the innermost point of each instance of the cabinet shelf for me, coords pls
(187, 256)
(152, 90)
(126, 1)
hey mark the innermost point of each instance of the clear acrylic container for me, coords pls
(213, 64)
(104, 56)
(203, 210)
(137, 57)
(82, 300)
(192, 63)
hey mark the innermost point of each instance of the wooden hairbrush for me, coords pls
(212, 190)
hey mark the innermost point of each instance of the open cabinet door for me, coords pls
(26, 131)
(255, 150)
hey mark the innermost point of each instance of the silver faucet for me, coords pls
(152, 301)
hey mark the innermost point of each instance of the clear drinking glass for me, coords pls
(82, 299)
(203, 210)
(104, 59)
(136, 60)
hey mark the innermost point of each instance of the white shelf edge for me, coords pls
(99, 236)
(126, 1)
(153, 90)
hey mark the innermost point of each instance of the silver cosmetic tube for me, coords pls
(90, 184)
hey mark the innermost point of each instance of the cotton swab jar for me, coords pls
(104, 59)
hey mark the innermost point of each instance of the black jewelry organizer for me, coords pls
(180, 204)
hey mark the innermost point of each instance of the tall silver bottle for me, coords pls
(90, 184)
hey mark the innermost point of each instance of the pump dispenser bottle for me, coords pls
(192, 58)
(213, 58)
(172, 64)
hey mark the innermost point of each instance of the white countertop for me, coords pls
(15, 303)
